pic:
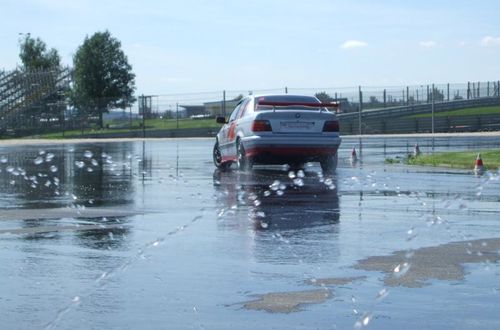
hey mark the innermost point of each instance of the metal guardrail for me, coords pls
(422, 108)
(401, 125)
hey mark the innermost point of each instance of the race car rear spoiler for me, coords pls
(302, 104)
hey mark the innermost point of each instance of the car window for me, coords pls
(235, 112)
(244, 108)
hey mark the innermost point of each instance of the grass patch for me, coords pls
(151, 125)
(466, 159)
(492, 110)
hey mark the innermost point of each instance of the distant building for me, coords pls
(119, 114)
(194, 110)
(216, 108)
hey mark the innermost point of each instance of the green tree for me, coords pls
(103, 78)
(35, 56)
(324, 97)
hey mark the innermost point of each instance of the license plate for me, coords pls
(297, 125)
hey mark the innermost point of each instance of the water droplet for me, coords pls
(9, 169)
(76, 300)
(90, 169)
(94, 162)
(301, 174)
(53, 168)
(267, 193)
(382, 294)
(88, 154)
(111, 236)
(291, 175)
(79, 164)
(275, 185)
(38, 160)
(401, 269)
(3, 159)
(264, 225)
(298, 182)
(279, 192)
(49, 157)
(260, 214)
(74, 197)
(366, 320)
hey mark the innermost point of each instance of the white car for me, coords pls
(278, 129)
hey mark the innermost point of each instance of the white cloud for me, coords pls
(428, 44)
(353, 44)
(489, 41)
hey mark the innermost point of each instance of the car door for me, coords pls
(228, 133)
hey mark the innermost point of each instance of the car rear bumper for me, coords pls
(283, 148)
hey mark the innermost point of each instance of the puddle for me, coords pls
(443, 262)
(288, 302)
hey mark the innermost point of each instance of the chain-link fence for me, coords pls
(362, 109)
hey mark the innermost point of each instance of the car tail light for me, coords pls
(261, 126)
(331, 126)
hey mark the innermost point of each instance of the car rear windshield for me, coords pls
(287, 98)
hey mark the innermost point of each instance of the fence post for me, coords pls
(468, 90)
(448, 91)
(407, 95)
(177, 114)
(286, 90)
(432, 108)
(224, 103)
(427, 94)
(478, 89)
(360, 109)
(143, 102)
(385, 98)
(488, 89)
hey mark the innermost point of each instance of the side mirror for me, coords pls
(221, 120)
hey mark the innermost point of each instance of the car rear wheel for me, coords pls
(217, 157)
(244, 163)
(329, 163)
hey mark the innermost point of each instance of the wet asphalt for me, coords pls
(149, 235)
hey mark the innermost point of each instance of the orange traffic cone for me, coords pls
(354, 156)
(478, 167)
(416, 150)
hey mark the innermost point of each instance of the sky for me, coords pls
(188, 46)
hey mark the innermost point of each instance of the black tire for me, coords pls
(217, 157)
(329, 163)
(244, 163)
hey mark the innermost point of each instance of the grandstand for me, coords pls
(32, 99)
